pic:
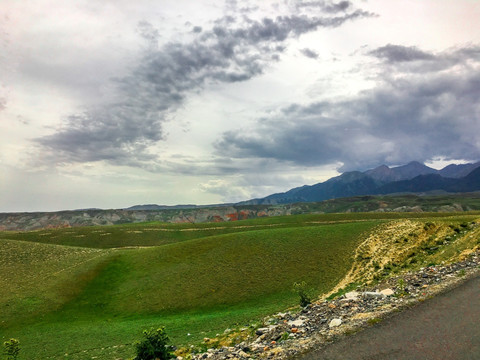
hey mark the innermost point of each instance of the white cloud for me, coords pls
(146, 88)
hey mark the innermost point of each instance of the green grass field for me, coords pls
(85, 293)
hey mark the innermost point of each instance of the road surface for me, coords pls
(446, 327)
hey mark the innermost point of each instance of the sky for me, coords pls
(113, 103)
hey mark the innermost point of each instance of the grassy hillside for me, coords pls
(92, 300)
(407, 202)
(36, 279)
(190, 281)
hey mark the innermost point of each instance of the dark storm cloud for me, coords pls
(234, 50)
(309, 53)
(396, 53)
(412, 59)
(340, 6)
(325, 5)
(408, 116)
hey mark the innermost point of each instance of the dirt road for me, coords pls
(445, 327)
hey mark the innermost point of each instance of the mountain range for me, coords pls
(414, 177)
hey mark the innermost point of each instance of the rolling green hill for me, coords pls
(36, 278)
(89, 292)
(192, 279)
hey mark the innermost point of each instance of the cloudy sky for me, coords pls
(113, 103)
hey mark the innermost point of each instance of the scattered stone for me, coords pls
(335, 323)
(242, 354)
(373, 295)
(277, 351)
(296, 323)
(261, 331)
(352, 295)
(387, 292)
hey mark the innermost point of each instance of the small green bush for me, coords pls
(428, 226)
(285, 336)
(154, 346)
(11, 349)
(304, 293)
(400, 288)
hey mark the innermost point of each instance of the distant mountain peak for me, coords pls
(381, 173)
(458, 170)
(416, 163)
(412, 177)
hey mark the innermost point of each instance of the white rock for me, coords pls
(262, 331)
(242, 354)
(371, 294)
(352, 295)
(335, 323)
(296, 323)
(387, 292)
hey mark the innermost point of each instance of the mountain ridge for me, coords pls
(413, 177)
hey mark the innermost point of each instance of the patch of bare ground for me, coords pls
(399, 245)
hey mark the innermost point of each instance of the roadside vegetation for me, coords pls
(89, 292)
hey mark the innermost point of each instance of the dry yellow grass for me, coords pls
(395, 243)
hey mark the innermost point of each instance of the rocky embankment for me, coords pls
(411, 203)
(65, 219)
(290, 334)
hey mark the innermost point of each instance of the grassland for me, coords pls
(157, 234)
(88, 292)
